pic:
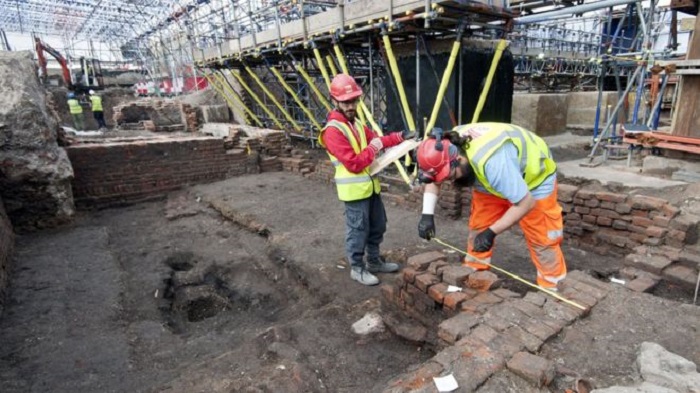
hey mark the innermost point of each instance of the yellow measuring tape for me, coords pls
(511, 275)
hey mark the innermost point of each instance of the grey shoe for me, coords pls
(363, 276)
(382, 266)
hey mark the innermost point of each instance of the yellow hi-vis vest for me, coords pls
(351, 186)
(96, 103)
(74, 107)
(536, 162)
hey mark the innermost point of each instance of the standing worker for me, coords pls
(352, 147)
(514, 179)
(97, 112)
(76, 111)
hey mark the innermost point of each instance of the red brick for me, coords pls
(657, 232)
(483, 280)
(607, 205)
(681, 274)
(390, 292)
(436, 267)
(455, 328)
(538, 370)
(505, 293)
(607, 213)
(582, 210)
(419, 379)
(407, 298)
(661, 221)
(530, 341)
(535, 298)
(644, 202)
(409, 275)
(425, 280)
(591, 219)
(456, 275)
(481, 302)
(623, 208)
(619, 224)
(642, 222)
(677, 235)
(604, 221)
(477, 364)
(452, 301)
(438, 291)
(585, 194)
(610, 197)
(670, 211)
(642, 284)
(639, 213)
(421, 262)
(566, 192)
(592, 203)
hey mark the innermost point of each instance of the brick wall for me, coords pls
(7, 242)
(128, 172)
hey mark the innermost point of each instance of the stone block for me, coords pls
(480, 302)
(642, 284)
(531, 342)
(536, 369)
(566, 192)
(654, 263)
(438, 292)
(643, 202)
(681, 274)
(477, 364)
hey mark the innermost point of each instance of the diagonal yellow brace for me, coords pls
(331, 66)
(443, 86)
(294, 95)
(257, 99)
(232, 100)
(272, 98)
(363, 108)
(502, 44)
(322, 67)
(312, 85)
(237, 99)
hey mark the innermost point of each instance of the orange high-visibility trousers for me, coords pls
(543, 228)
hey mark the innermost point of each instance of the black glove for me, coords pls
(426, 226)
(408, 134)
(484, 240)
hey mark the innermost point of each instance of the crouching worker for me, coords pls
(513, 179)
(352, 147)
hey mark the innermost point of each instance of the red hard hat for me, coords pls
(344, 88)
(435, 161)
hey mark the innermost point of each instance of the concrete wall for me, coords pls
(544, 114)
(551, 114)
(129, 172)
(7, 242)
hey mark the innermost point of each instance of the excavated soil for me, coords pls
(240, 285)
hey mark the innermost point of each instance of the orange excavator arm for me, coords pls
(40, 49)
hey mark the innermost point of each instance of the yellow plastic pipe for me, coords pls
(231, 98)
(312, 85)
(272, 98)
(363, 108)
(502, 44)
(294, 95)
(443, 86)
(322, 67)
(257, 99)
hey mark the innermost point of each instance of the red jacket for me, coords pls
(339, 146)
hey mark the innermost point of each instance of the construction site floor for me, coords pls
(101, 306)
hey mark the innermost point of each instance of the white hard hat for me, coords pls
(92, 92)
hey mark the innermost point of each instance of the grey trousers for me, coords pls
(365, 224)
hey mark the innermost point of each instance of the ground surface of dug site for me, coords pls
(240, 285)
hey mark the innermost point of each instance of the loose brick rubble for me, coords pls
(481, 331)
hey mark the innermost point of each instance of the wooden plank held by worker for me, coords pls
(391, 155)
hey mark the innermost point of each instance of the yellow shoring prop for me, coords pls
(257, 99)
(399, 84)
(322, 67)
(237, 99)
(502, 44)
(511, 275)
(230, 100)
(295, 97)
(443, 85)
(331, 66)
(313, 87)
(363, 108)
(272, 98)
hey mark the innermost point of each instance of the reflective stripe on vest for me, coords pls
(536, 162)
(74, 107)
(96, 103)
(351, 186)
